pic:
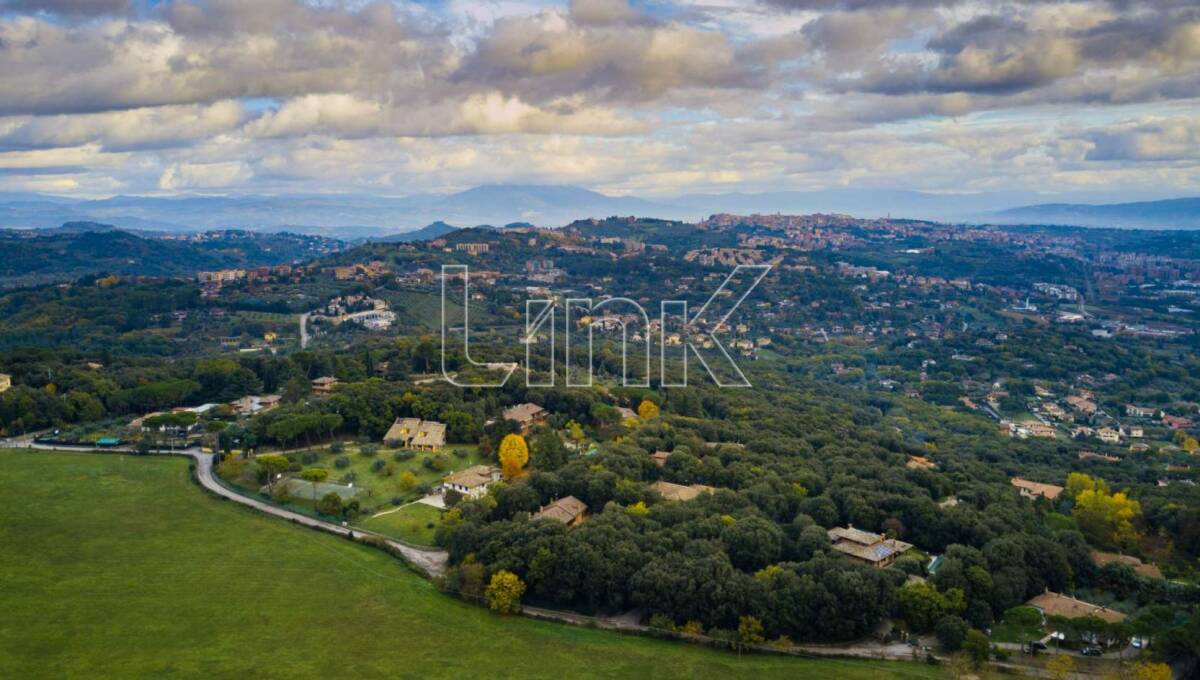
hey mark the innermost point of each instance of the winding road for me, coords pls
(432, 562)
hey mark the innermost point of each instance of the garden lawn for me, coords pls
(414, 523)
(118, 566)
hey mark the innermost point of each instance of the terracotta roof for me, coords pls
(865, 545)
(1037, 488)
(919, 463)
(564, 510)
(523, 413)
(660, 457)
(679, 492)
(1103, 559)
(473, 477)
(1054, 604)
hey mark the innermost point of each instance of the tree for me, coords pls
(647, 410)
(750, 630)
(504, 592)
(271, 465)
(330, 504)
(951, 632)
(514, 454)
(296, 390)
(1107, 518)
(977, 646)
(1149, 670)
(575, 433)
(922, 604)
(407, 480)
(1061, 666)
(314, 476)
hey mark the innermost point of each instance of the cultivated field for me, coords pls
(119, 567)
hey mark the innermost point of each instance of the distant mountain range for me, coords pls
(1179, 213)
(352, 216)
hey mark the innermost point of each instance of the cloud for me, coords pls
(288, 95)
(204, 175)
(70, 8)
(130, 130)
(1145, 141)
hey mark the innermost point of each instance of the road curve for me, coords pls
(432, 562)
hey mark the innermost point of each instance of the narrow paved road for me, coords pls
(432, 562)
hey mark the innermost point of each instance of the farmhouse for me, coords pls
(570, 511)
(1035, 490)
(526, 415)
(1103, 559)
(472, 482)
(324, 384)
(5, 382)
(920, 463)
(874, 549)
(1054, 604)
(679, 492)
(414, 433)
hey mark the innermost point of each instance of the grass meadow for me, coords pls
(117, 566)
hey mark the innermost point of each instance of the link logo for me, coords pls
(682, 336)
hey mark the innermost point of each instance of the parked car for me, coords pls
(1137, 643)
(1091, 651)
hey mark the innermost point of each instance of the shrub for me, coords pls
(341, 462)
(662, 622)
(461, 453)
(377, 466)
(401, 456)
(337, 447)
(368, 450)
(309, 457)
(397, 500)
(295, 467)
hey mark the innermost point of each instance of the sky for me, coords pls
(653, 97)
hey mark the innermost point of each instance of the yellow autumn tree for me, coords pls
(1061, 667)
(514, 454)
(647, 410)
(1149, 670)
(504, 592)
(1107, 518)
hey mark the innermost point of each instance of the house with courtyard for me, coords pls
(864, 546)
(526, 415)
(414, 433)
(472, 482)
(570, 511)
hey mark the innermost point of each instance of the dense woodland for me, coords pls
(807, 449)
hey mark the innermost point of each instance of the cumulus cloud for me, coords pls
(204, 175)
(107, 95)
(1146, 141)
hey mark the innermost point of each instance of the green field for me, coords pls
(120, 567)
(414, 523)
